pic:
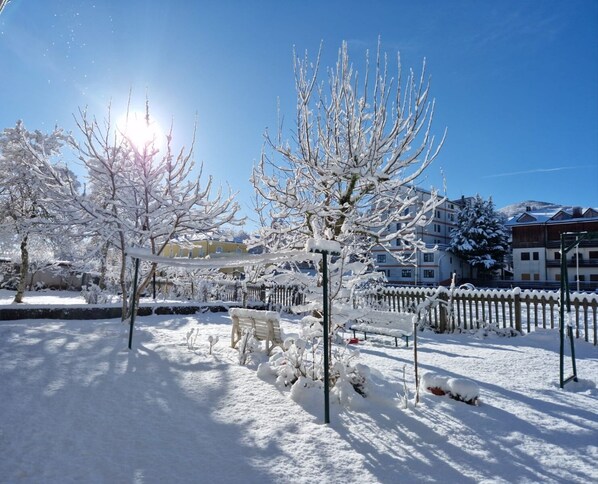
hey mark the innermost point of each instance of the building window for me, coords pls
(429, 257)
(381, 258)
(594, 277)
(428, 273)
(557, 277)
(557, 255)
(406, 273)
(580, 278)
(536, 277)
(218, 250)
(593, 254)
(437, 213)
(525, 277)
(536, 255)
(436, 227)
(525, 256)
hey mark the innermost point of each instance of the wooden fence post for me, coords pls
(517, 307)
(444, 312)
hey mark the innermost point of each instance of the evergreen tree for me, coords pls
(480, 237)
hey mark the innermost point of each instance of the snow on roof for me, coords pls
(554, 215)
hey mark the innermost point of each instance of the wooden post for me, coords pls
(517, 304)
(444, 312)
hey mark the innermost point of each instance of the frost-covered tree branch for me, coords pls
(26, 208)
(359, 148)
(140, 193)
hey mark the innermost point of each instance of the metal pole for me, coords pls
(133, 308)
(564, 287)
(577, 263)
(326, 338)
(154, 284)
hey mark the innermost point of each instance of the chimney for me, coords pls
(577, 212)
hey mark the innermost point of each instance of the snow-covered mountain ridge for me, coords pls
(531, 205)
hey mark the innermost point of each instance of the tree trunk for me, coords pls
(103, 266)
(24, 271)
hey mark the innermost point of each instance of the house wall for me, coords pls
(537, 244)
(432, 267)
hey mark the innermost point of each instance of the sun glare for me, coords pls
(141, 131)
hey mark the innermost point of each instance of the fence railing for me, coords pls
(474, 308)
(274, 296)
(466, 309)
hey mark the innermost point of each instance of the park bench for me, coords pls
(264, 324)
(384, 323)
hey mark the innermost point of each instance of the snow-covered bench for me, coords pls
(384, 323)
(265, 326)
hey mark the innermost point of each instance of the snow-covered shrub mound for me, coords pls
(492, 329)
(434, 383)
(300, 366)
(95, 295)
(460, 389)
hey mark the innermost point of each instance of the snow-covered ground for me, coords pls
(77, 406)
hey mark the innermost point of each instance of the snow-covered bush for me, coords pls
(94, 295)
(492, 329)
(302, 360)
(212, 340)
(247, 346)
(460, 389)
(191, 337)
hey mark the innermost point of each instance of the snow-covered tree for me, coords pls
(25, 206)
(360, 144)
(141, 193)
(480, 237)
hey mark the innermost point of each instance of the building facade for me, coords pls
(196, 248)
(536, 247)
(200, 248)
(430, 267)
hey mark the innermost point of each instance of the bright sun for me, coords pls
(141, 133)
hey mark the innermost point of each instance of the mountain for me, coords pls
(530, 205)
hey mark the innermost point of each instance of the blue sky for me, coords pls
(515, 82)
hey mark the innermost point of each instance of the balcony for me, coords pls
(573, 263)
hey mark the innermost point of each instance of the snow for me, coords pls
(254, 313)
(322, 245)
(77, 406)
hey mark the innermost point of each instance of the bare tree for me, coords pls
(24, 208)
(359, 147)
(141, 193)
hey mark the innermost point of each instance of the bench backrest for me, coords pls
(403, 321)
(262, 322)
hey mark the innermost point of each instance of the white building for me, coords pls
(433, 266)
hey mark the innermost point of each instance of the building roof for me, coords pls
(554, 216)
